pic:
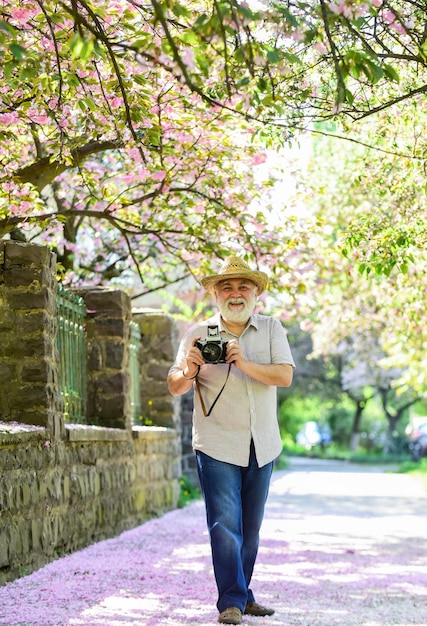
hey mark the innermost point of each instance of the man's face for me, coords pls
(236, 299)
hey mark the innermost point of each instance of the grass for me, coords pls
(417, 469)
(337, 453)
(401, 462)
(188, 492)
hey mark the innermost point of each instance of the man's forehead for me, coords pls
(236, 281)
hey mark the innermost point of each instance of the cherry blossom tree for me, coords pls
(130, 131)
(154, 174)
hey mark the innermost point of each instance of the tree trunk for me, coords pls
(355, 431)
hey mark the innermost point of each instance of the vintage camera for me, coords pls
(213, 348)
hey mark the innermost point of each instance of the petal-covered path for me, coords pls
(341, 544)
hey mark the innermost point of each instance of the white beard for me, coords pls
(240, 316)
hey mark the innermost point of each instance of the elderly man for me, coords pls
(235, 361)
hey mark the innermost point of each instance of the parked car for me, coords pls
(314, 434)
(418, 440)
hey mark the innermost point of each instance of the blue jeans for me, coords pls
(235, 499)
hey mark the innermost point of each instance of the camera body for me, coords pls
(213, 348)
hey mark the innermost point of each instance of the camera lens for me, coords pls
(211, 352)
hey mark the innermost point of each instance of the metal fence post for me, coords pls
(71, 343)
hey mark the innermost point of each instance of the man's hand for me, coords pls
(235, 353)
(181, 381)
(194, 360)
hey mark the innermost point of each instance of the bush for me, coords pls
(188, 492)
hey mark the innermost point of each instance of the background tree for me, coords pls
(346, 388)
(365, 306)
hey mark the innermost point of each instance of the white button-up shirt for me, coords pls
(246, 408)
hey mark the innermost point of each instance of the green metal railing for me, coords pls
(71, 343)
(135, 389)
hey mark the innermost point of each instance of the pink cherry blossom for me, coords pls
(321, 47)
(7, 119)
(116, 102)
(22, 15)
(38, 118)
(187, 55)
(259, 158)
(159, 175)
(398, 28)
(388, 16)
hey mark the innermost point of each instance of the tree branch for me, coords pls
(162, 286)
(340, 81)
(43, 171)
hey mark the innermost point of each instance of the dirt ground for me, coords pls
(341, 544)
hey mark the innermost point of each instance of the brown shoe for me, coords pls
(253, 608)
(232, 615)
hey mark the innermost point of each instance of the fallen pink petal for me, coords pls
(341, 544)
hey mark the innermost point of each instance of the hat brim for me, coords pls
(260, 279)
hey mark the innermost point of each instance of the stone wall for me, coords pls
(28, 359)
(63, 486)
(108, 338)
(159, 343)
(58, 496)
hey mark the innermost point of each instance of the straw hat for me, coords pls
(233, 267)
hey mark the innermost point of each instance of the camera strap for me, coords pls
(206, 414)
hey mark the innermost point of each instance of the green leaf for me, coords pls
(154, 136)
(242, 82)
(140, 79)
(142, 42)
(8, 69)
(273, 55)
(291, 19)
(292, 58)
(190, 38)
(18, 52)
(92, 106)
(81, 48)
(180, 11)
(201, 21)
(391, 73)
(87, 50)
(28, 72)
(373, 72)
(262, 84)
(349, 96)
(354, 71)
(423, 51)
(76, 45)
(8, 28)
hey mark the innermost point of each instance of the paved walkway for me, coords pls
(341, 544)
